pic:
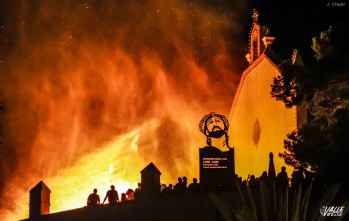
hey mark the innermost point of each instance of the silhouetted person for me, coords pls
(138, 193)
(162, 187)
(264, 178)
(244, 183)
(170, 187)
(130, 194)
(296, 178)
(252, 182)
(168, 190)
(282, 178)
(194, 187)
(123, 197)
(239, 180)
(282, 182)
(177, 187)
(93, 199)
(184, 184)
(112, 195)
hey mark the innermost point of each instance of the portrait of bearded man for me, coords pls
(215, 125)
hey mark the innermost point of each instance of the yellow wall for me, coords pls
(253, 101)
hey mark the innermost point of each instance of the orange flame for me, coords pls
(95, 91)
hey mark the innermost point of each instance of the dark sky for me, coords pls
(199, 44)
(294, 23)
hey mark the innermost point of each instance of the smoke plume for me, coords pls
(91, 85)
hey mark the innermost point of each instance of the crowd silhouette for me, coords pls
(272, 192)
(180, 188)
(281, 182)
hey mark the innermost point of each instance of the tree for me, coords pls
(320, 150)
(298, 84)
(321, 146)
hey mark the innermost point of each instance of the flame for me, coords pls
(134, 143)
(111, 169)
(94, 91)
(90, 169)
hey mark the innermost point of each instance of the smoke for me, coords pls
(76, 75)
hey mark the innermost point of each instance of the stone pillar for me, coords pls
(39, 202)
(150, 179)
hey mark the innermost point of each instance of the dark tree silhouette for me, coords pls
(320, 147)
(323, 151)
(284, 86)
(300, 84)
(291, 146)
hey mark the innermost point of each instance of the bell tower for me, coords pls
(255, 49)
(259, 40)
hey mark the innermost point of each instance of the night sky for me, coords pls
(75, 74)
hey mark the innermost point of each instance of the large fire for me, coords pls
(93, 91)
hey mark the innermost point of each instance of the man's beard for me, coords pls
(216, 134)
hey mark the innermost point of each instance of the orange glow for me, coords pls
(260, 122)
(94, 92)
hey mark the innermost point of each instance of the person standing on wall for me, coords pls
(112, 195)
(93, 199)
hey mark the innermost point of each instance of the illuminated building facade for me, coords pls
(260, 123)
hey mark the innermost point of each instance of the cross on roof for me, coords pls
(255, 15)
